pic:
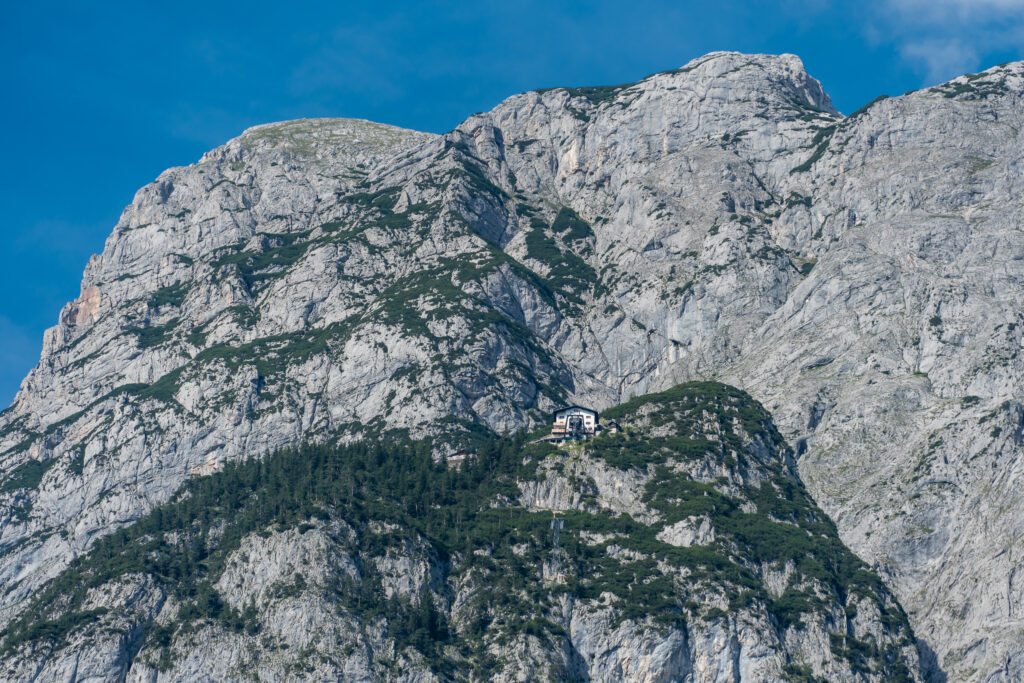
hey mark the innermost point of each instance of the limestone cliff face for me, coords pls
(380, 563)
(333, 279)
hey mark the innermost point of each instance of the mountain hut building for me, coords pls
(574, 422)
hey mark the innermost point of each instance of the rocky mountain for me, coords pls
(687, 549)
(327, 281)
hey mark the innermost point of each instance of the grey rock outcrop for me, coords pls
(479, 589)
(330, 279)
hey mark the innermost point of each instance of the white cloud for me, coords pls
(942, 39)
(941, 60)
(939, 10)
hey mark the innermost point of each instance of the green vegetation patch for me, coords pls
(174, 545)
(795, 199)
(978, 86)
(570, 227)
(679, 406)
(27, 475)
(478, 181)
(820, 143)
(374, 210)
(254, 266)
(786, 528)
(153, 335)
(468, 521)
(597, 94)
(172, 295)
(569, 276)
(275, 354)
(861, 111)
(384, 199)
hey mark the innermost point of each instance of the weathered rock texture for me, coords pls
(370, 564)
(332, 279)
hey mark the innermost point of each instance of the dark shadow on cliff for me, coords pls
(930, 667)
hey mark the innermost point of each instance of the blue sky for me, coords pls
(99, 97)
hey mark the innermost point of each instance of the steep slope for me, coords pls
(291, 286)
(689, 551)
(323, 280)
(869, 292)
(895, 367)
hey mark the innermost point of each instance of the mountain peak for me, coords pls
(337, 281)
(346, 140)
(723, 92)
(785, 71)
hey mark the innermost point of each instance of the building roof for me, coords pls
(562, 410)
